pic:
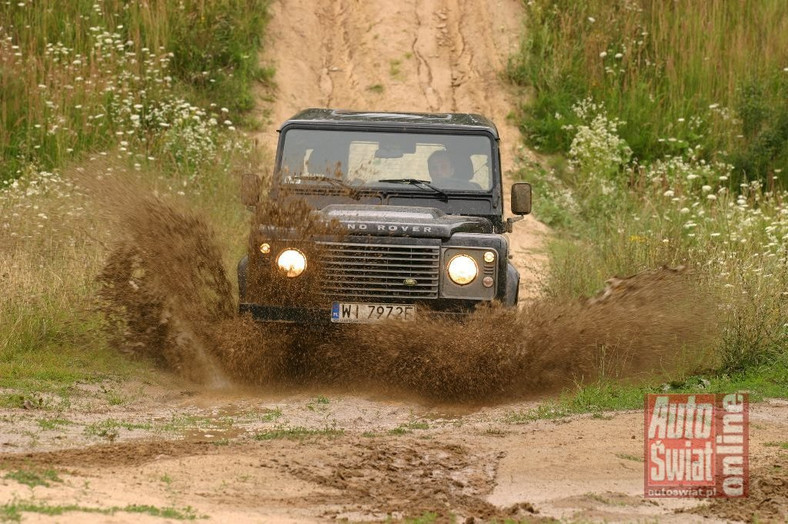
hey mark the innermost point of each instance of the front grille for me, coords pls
(357, 271)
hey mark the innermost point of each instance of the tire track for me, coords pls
(413, 55)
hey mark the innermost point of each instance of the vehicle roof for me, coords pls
(399, 120)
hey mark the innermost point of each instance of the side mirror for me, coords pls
(521, 198)
(250, 190)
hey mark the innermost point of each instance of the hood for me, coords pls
(403, 221)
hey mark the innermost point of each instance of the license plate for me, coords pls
(364, 312)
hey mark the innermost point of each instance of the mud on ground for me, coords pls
(388, 422)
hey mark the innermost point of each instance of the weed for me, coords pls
(427, 517)
(109, 428)
(271, 414)
(376, 88)
(116, 399)
(34, 478)
(408, 427)
(297, 433)
(394, 68)
(319, 403)
(52, 423)
(626, 456)
(13, 510)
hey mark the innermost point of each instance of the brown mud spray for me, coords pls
(168, 298)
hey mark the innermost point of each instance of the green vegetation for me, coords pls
(607, 395)
(408, 427)
(627, 456)
(152, 91)
(677, 75)
(53, 423)
(33, 478)
(83, 76)
(12, 511)
(669, 124)
(297, 433)
(395, 68)
(109, 428)
(269, 415)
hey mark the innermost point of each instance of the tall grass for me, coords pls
(152, 90)
(73, 73)
(678, 74)
(672, 123)
(677, 210)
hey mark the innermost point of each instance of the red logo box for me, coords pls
(696, 445)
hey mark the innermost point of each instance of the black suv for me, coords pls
(415, 201)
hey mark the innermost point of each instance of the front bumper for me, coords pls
(456, 309)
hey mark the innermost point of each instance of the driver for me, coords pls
(440, 167)
(446, 174)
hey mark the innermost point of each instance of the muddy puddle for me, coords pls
(167, 297)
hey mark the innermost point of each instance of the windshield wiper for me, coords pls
(352, 191)
(419, 183)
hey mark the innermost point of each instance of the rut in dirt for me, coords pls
(168, 298)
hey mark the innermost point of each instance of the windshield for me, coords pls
(386, 159)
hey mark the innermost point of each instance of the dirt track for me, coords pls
(292, 455)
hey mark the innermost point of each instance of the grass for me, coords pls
(602, 397)
(320, 403)
(404, 429)
(109, 428)
(660, 158)
(77, 78)
(297, 433)
(34, 478)
(13, 511)
(269, 415)
(675, 74)
(48, 424)
(131, 119)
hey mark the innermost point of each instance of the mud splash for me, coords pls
(164, 287)
(169, 298)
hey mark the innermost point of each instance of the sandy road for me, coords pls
(426, 55)
(301, 456)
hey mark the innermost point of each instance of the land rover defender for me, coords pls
(406, 220)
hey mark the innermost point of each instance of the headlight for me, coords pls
(292, 262)
(462, 269)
